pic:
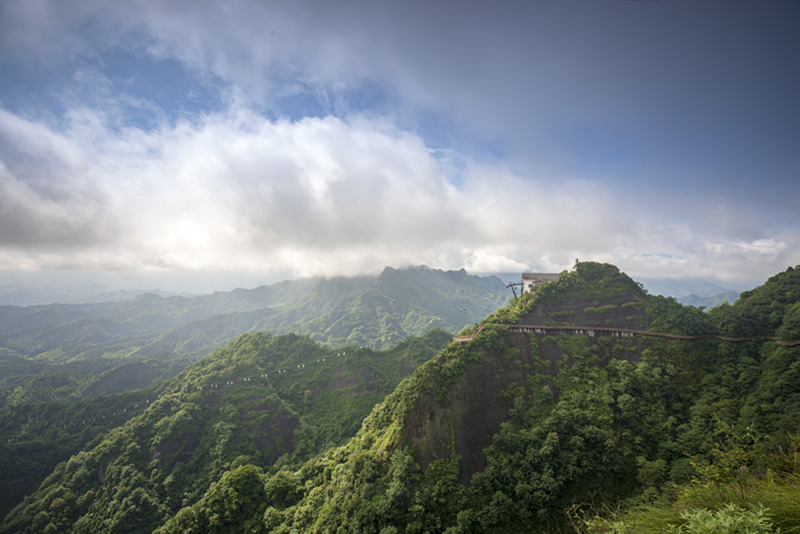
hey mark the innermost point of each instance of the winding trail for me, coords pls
(615, 332)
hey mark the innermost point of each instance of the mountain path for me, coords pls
(616, 332)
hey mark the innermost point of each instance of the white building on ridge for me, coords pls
(530, 280)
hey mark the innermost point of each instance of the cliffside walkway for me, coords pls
(592, 331)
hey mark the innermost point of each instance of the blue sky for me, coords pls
(212, 145)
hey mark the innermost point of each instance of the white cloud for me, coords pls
(757, 249)
(235, 192)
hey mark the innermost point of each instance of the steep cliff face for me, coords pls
(475, 386)
(505, 364)
(464, 421)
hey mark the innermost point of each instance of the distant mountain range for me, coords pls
(116, 346)
(86, 293)
(89, 292)
(692, 291)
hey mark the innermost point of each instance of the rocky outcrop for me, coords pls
(464, 419)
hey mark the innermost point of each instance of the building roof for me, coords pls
(540, 277)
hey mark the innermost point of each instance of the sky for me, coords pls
(198, 145)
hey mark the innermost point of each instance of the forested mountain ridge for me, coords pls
(107, 348)
(504, 432)
(259, 400)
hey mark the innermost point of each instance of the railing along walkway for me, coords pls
(592, 331)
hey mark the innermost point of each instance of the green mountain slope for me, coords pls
(260, 400)
(67, 330)
(379, 312)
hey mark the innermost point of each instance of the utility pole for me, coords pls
(512, 284)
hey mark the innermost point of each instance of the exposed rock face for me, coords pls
(472, 413)
(175, 450)
(474, 408)
(276, 436)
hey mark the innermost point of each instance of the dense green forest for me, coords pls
(519, 428)
(261, 399)
(66, 352)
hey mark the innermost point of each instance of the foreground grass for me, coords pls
(752, 504)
